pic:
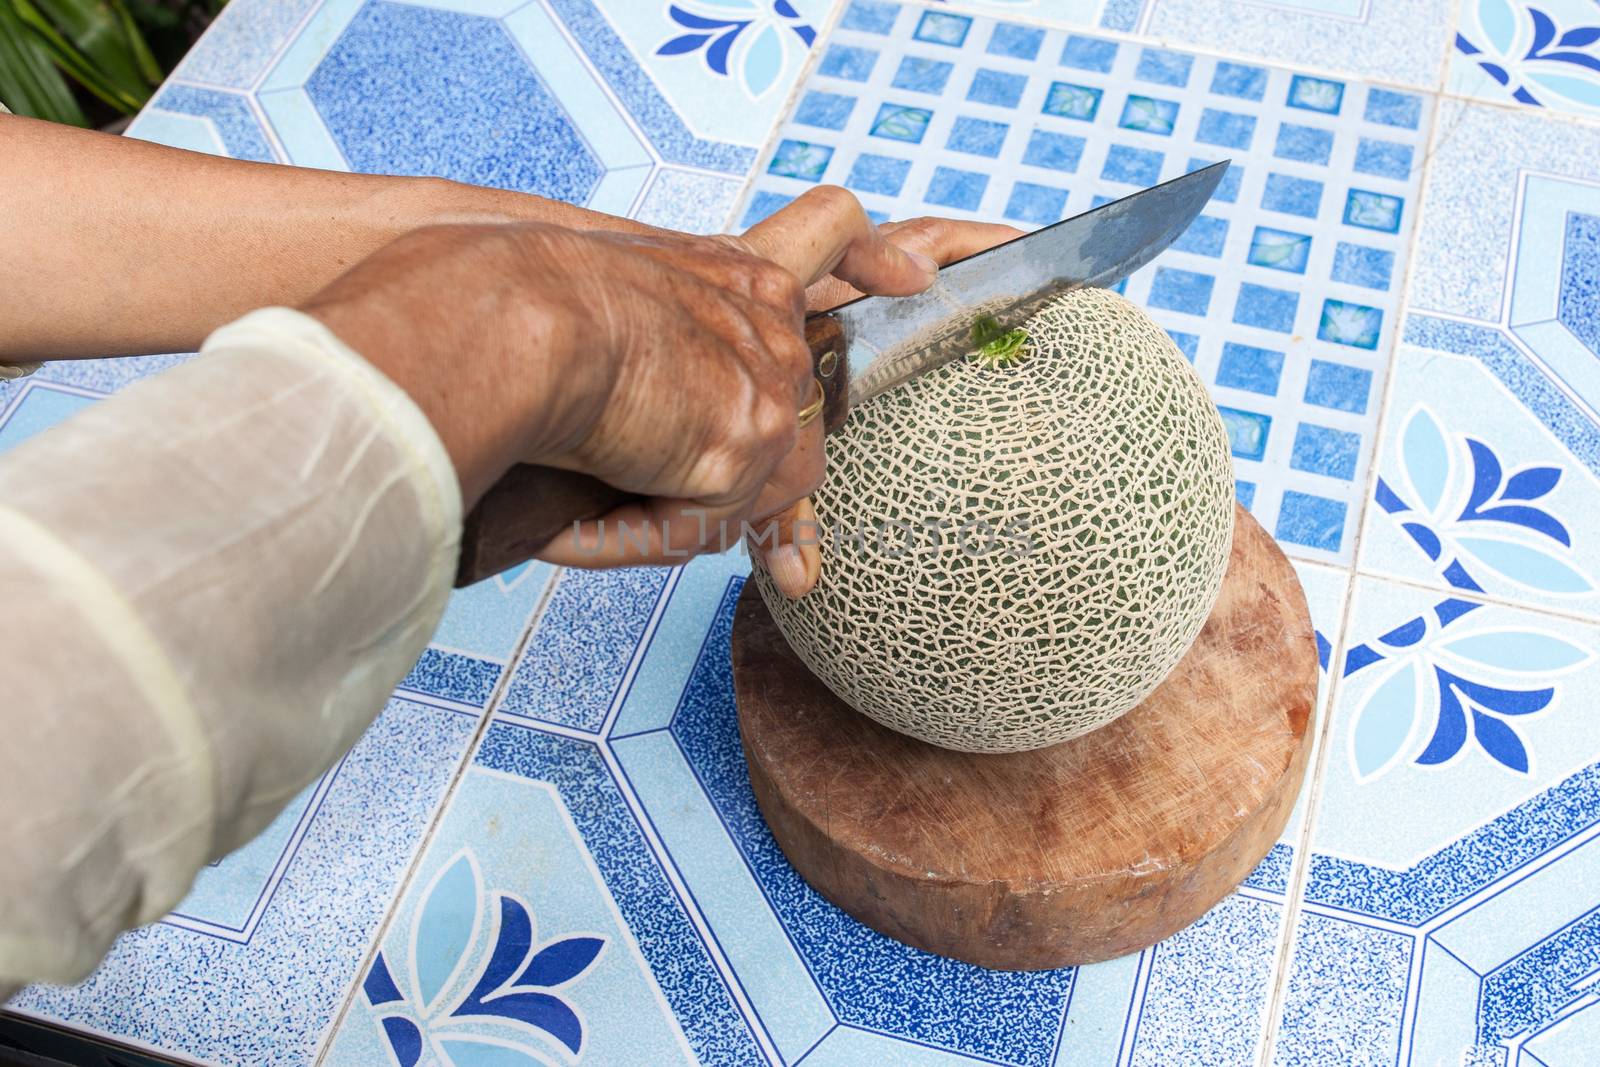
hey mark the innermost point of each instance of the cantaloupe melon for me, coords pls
(1017, 552)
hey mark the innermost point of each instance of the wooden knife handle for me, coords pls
(530, 505)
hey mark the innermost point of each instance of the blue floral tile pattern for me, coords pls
(1301, 252)
(1540, 53)
(1480, 506)
(1459, 768)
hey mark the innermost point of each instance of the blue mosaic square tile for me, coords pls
(996, 87)
(870, 16)
(1338, 386)
(1136, 166)
(1247, 432)
(1039, 204)
(950, 187)
(1304, 144)
(1252, 369)
(800, 159)
(848, 62)
(1164, 68)
(1149, 115)
(1206, 236)
(1088, 53)
(1326, 451)
(1389, 108)
(900, 123)
(1268, 308)
(1387, 159)
(1188, 343)
(1291, 195)
(1345, 323)
(1313, 521)
(1359, 265)
(1279, 249)
(763, 204)
(1018, 42)
(1072, 101)
(1244, 492)
(1283, 220)
(1181, 290)
(979, 137)
(878, 174)
(1057, 151)
(1228, 188)
(827, 110)
(1229, 129)
(1239, 80)
(922, 75)
(1315, 94)
(939, 27)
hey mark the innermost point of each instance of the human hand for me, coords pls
(668, 366)
(793, 557)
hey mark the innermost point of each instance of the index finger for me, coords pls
(826, 231)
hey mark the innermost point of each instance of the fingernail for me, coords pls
(927, 263)
(788, 570)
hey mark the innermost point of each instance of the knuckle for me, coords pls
(773, 423)
(796, 357)
(777, 287)
(923, 227)
(718, 474)
(837, 198)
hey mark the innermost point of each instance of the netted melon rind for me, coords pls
(1103, 444)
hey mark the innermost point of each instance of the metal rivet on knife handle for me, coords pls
(830, 364)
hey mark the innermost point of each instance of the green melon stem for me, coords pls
(994, 345)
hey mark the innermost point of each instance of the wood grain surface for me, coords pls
(1080, 852)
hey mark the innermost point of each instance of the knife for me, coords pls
(872, 344)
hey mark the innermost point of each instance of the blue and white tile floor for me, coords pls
(546, 850)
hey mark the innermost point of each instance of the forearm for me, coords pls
(118, 246)
(211, 583)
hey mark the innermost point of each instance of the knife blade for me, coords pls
(873, 344)
(894, 339)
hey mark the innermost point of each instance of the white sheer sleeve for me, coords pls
(209, 584)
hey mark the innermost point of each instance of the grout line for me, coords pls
(1303, 854)
(1576, 118)
(1449, 47)
(425, 839)
(769, 143)
(1302, 857)
(1479, 598)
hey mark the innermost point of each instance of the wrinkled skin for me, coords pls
(668, 365)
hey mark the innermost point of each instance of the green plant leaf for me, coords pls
(96, 43)
(107, 36)
(142, 56)
(30, 84)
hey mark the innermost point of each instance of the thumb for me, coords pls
(789, 546)
(826, 231)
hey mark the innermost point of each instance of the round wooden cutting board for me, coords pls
(1087, 850)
